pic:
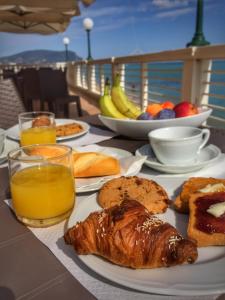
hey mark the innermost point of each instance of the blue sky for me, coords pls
(124, 27)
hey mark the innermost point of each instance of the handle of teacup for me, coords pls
(205, 137)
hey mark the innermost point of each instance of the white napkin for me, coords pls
(130, 166)
(95, 135)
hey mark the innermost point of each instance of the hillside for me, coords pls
(39, 56)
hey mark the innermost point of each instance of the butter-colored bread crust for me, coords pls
(93, 164)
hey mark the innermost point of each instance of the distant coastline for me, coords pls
(39, 56)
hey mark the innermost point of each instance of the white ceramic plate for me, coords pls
(95, 183)
(13, 132)
(206, 276)
(8, 146)
(207, 155)
(139, 129)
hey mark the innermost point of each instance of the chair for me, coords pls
(30, 86)
(11, 104)
(53, 88)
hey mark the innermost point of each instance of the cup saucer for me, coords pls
(206, 156)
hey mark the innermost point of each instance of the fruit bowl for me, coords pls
(138, 129)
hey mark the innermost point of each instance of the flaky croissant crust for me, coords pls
(128, 235)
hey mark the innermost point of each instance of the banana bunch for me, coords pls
(122, 103)
(107, 106)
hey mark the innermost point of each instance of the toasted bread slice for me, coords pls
(204, 227)
(194, 185)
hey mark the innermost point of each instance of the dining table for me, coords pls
(30, 270)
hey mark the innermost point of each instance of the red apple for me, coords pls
(184, 109)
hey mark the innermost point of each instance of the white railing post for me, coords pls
(205, 77)
(190, 80)
(78, 75)
(91, 84)
(93, 79)
(102, 79)
(84, 76)
(121, 68)
(118, 68)
(144, 86)
(113, 69)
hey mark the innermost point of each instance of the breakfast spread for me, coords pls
(207, 218)
(68, 129)
(147, 192)
(93, 164)
(130, 236)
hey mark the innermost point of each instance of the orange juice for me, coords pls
(38, 135)
(43, 193)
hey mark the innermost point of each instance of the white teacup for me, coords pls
(2, 140)
(178, 145)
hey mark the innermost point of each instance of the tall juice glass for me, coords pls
(42, 184)
(37, 128)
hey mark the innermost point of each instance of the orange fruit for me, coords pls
(168, 105)
(154, 109)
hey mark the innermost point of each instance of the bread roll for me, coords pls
(92, 164)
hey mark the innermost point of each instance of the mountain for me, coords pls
(39, 56)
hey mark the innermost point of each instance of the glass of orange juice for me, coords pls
(37, 128)
(42, 183)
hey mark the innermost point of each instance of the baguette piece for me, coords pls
(194, 185)
(92, 164)
(129, 236)
(204, 227)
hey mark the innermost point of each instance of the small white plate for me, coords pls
(207, 155)
(84, 185)
(8, 146)
(14, 133)
(206, 276)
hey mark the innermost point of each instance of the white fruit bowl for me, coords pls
(139, 129)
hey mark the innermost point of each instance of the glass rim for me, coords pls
(24, 115)
(59, 156)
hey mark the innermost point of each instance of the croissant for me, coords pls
(128, 235)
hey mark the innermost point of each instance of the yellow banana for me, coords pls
(107, 107)
(122, 103)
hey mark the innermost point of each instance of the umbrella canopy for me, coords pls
(37, 16)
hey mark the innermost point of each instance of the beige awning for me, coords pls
(38, 16)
